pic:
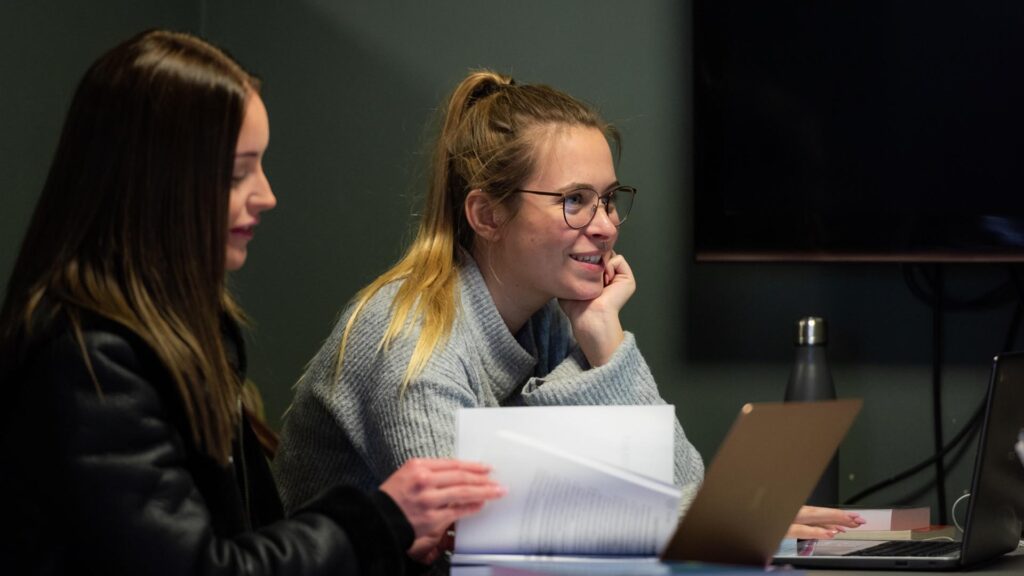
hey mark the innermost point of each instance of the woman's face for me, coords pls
(541, 257)
(250, 190)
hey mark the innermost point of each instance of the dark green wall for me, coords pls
(351, 88)
(45, 47)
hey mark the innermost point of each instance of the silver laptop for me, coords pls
(995, 509)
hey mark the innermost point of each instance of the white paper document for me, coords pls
(582, 480)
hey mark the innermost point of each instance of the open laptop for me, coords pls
(995, 508)
(762, 474)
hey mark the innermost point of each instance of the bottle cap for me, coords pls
(811, 330)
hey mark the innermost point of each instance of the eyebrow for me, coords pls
(579, 185)
(247, 155)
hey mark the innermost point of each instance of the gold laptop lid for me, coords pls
(763, 472)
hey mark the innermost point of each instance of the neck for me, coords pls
(514, 304)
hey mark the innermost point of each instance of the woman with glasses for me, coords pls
(508, 296)
(129, 445)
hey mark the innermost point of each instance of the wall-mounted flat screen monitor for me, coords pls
(867, 130)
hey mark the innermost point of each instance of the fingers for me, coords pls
(424, 550)
(434, 493)
(447, 479)
(816, 515)
(431, 556)
(805, 532)
(822, 523)
(459, 497)
(426, 474)
(440, 483)
(851, 521)
(439, 464)
(448, 515)
(609, 268)
(615, 265)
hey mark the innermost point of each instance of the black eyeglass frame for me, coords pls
(593, 211)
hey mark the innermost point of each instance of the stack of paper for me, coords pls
(591, 481)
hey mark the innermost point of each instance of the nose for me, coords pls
(601, 225)
(264, 198)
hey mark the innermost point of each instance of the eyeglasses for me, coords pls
(580, 206)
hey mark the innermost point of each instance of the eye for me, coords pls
(238, 175)
(244, 167)
(573, 198)
(575, 201)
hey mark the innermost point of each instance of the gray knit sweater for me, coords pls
(358, 431)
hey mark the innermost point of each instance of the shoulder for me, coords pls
(103, 358)
(374, 313)
(366, 360)
(96, 335)
(374, 318)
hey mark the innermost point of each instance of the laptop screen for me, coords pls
(995, 508)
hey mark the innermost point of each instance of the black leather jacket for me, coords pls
(113, 483)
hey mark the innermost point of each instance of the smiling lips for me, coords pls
(592, 259)
(244, 231)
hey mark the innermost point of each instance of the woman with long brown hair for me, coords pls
(128, 444)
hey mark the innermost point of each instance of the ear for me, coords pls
(484, 215)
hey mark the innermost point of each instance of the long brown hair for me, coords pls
(488, 139)
(131, 224)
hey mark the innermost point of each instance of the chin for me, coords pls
(234, 262)
(585, 292)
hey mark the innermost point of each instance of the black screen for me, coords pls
(859, 130)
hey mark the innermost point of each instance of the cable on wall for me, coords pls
(938, 290)
(933, 294)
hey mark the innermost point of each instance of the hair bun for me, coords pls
(488, 83)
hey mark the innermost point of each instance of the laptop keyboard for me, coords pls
(910, 548)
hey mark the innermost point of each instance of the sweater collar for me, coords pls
(506, 364)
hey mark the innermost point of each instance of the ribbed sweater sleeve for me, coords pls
(625, 380)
